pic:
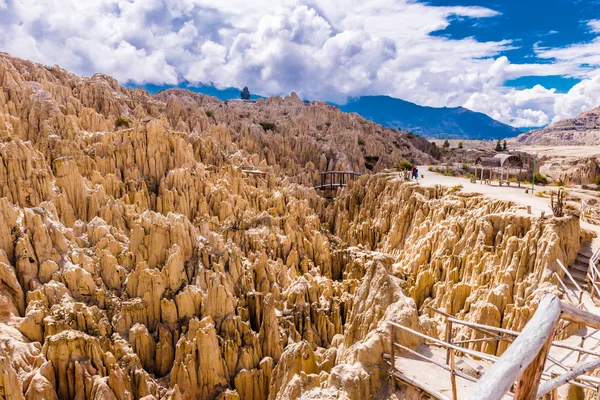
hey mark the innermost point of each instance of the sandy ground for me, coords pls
(507, 193)
(561, 151)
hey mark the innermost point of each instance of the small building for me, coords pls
(505, 164)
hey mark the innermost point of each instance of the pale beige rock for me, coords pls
(187, 255)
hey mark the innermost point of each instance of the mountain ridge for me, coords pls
(430, 122)
(584, 129)
(433, 122)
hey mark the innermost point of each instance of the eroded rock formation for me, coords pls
(140, 262)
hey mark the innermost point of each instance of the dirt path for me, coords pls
(508, 193)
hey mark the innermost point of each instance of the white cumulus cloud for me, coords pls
(322, 49)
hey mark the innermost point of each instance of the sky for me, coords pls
(523, 62)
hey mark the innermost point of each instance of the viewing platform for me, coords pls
(333, 180)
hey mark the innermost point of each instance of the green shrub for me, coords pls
(541, 179)
(122, 122)
(446, 144)
(460, 145)
(597, 180)
(560, 182)
(404, 165)
(455, 188)
(267, 126)
(209, 114)
(410, 135)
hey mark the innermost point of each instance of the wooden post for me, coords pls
(453, 376)
(593, 279)
(392, 332)
(448, 339)
(528, 382)
(581, 345)
(554, 392)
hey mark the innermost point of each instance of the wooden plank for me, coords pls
(579, 316)
(501, 375)
(578, 370)
(421, 386)
(529, 380)
(583, 378)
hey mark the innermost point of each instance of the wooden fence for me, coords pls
(520, 369)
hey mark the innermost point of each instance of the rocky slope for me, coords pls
(584, 129)
(140, 262)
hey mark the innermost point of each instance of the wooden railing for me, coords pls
(333, 180)
(524, 359)
(593, 273)
(588, 213)
(521, 366)
(568, 275)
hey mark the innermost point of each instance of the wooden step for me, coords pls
(569, 285)
(578, 274)
(582, 258)
(579, 267)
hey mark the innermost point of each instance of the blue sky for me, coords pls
(525, 63)
(530, 24)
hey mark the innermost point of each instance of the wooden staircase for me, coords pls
(582, 275)
(579, 271)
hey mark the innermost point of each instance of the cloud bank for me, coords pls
(322, 49)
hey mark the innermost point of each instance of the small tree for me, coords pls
(498, 146)
(460, 145)
(558, 205)
(504, 146)
(245, 95)
(404, 165)
(446, 144)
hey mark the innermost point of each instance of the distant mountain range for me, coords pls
(447, 123)
(430, 122)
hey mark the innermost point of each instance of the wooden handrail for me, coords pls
(593, 271)
(581, 369)
(564, 287)
(569, 276)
